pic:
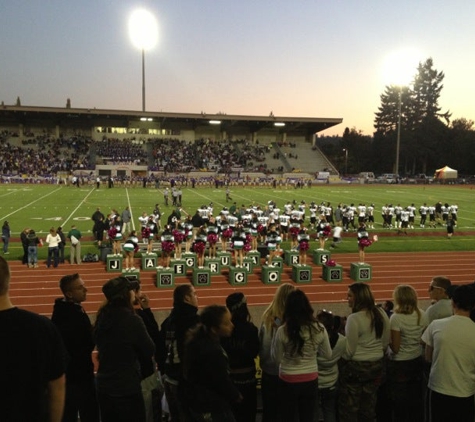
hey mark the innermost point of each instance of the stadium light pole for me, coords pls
(143, 31)
(345, 150)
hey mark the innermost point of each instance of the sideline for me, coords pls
(31, 203)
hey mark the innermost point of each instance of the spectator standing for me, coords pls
(53, 240)
(183, 316)
(242, 348)
(74, 236)
(405, 365)
(76, 331)
(328, 368)
(25, 244)
(121, 339)
(6, 233)
(271, 321)
(295, 347)
(31, 350)
(367, 335)
(62, 244)
(33, 242)
(450, 346)
(441, 306)
(207, 388)
(95, 218)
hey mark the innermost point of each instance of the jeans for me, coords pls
(269, 389)
(298, 400)
(81, 398)
(32, 254)
(53, 252)
(6, 241)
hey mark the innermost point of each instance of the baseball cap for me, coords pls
(118, 285)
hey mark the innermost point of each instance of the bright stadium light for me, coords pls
(398, 69)
(143, 30)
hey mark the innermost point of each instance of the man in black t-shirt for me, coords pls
(32, 362)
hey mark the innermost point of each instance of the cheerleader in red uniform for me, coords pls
(226, 232)
(294, 232)
(212, 236)
(199, 246)
(323, 230)
(179, 235)
(303, 238)
(168, 246)
(364, 241)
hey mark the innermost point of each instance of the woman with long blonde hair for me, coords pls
(405, 365)
(271, 320)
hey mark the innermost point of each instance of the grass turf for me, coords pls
(43, 206)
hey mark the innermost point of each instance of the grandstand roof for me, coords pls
(81, 117)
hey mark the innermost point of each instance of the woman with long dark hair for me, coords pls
(122, 340)
(242, 349)
(295, 347)
(207, 388)
(367, 338)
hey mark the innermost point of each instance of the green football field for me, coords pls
(43, 206)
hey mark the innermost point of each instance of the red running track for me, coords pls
(36, 289)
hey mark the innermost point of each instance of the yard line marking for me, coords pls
(205, 197)
(31, 203)
(130, 208)
(75, 209)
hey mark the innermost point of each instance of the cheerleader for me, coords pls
(303, 239)
(168, 246)
(294, 231)
(199, 246)
(323, 231)
(254, 231)
(151, 231)
(188, 226)
(212, 236)
(179, 235)
(226, 232)
(272, 240)
(238, 241)
(364, 240)
(131, 246)
(115, 236)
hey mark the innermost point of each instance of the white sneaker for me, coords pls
(132, 269)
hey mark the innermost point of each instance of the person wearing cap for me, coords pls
(450, 347)
(441, 306)
(32, 362)
(76, 331)
(121, 339)
(242, 348)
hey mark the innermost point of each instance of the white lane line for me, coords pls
(75, 209)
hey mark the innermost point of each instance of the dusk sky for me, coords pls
(299, 58)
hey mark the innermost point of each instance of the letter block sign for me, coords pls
(270, 275)
(321, 256)
(214, 265)
(179, 267)
(190, 260)
(149, 262)
(332, 274)
(237, 276)
(302, 273)
(291, 257)
(201, 277)
(278, 262)
(256, 259)
(114, 263)
(225, 258)
(360, 271)
(165, 278)
(132, 275)
(248, 264)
